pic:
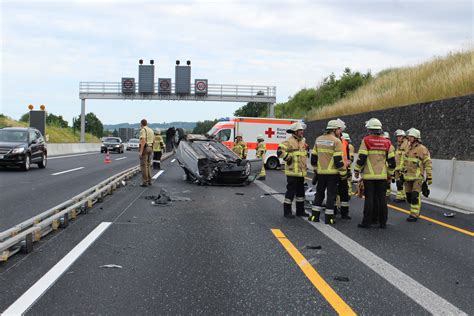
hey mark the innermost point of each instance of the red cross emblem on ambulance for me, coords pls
(269, 132)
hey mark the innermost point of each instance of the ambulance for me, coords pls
(273, 131)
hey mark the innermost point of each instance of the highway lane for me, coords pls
(25, 194)
(217, 254)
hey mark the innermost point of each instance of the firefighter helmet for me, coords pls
(239, 134)
(157, 131)
(295, 127)
(400, 132)
(414, 132)
(260, 137)
(346, 137)
(386, 135)
(373, 123)
(341, 122)
(335, 124)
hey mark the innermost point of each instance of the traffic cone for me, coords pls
(107, 158)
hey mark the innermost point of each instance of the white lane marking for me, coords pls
(157, 174)
(173, 160)
(24, 302)
(121, 158)
(426, 298)
(57, 157)
(70, 170)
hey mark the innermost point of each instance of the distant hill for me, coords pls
(183, 125)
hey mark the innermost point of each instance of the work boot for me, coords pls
(329, 219)
(383, 226)
(346, 216)
(314, 217)
(412, 219)
(289, 215)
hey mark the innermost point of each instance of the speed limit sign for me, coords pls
(164, 85)
(128, 85)
(200, 86)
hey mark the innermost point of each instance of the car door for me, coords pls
(33, 144)
(41, 144)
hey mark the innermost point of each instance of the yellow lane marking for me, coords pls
(329, 294)
(467, 232)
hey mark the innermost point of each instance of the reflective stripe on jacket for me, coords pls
(327, 149)
(158, 143)
(416, 162)
(261, 150)
(293, 151)
(374, 152)
(240, 148)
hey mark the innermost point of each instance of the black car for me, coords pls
(22, 146)
(112, 144)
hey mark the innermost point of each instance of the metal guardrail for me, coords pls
(24, 234)
(213, 89)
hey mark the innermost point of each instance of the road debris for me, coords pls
(449, 214)
(111, 266)
(341, 278)
(239, 193)
(163, 198)
(313, 247)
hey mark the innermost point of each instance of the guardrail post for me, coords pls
(55, 224)
(65, 221)
(73, 214)
(28, 248)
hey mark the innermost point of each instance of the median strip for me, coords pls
(70, 170)
(319, 283)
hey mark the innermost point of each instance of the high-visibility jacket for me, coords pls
(376, 158)
(261, 150)
(327, 155)
(351, 152)
(293, 151)
(400, 152)
(158, 144)
(345, 150)
(240, 148)
(416, 162)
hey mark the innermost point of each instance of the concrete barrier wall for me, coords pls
(57, 149)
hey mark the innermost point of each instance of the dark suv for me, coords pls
(22, 146)
(112, 144)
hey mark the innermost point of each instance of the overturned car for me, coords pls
(207, 161)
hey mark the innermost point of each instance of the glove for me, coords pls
(424, 189)
(399, 185)
(402, 178)
(429, 181)
(289, 160)
(315, 179)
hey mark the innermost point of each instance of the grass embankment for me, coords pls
(56, 134)
(440, 78)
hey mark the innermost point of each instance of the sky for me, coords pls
(48, 47)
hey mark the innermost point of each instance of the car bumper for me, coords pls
(12, 160)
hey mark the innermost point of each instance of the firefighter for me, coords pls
(402, 147)
(294, 152)
(391, 179)
(342, 185)
(351, 158)
(261, 151)
(240, 147)
(376, 162)
(328, 164)
(416, 165)
(158, 146)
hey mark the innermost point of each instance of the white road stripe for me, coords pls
(57, 157)
(121, 158)
(426, 298)
(70, 170)
(173, 160)
(24, 302)
(157, 174)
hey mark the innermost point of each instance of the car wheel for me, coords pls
(272, 163)
(44, 161)
(27, 164)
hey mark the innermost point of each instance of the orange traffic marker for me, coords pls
(107, 158)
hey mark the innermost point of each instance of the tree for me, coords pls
(93, 124)
(25, 118)
(58, 121)
(253, 109)
(115, 133)
(202, 127)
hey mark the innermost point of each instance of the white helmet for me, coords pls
(346, 137)
(296, 126)
(157, 131)
(386, 135)
(414, 132)
(341, 122)
(373, 123)
(260, 137)
(335, 124)
(400, 132)
(239, 134)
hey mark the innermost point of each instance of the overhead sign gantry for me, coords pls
(164, 89)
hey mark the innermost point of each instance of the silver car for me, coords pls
(133, 144)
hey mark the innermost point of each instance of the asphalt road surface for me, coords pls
(229, 250)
